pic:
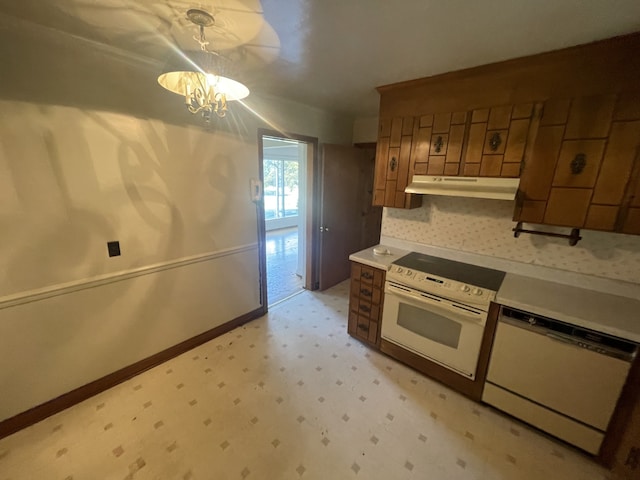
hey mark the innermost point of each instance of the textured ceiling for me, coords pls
(326, 53)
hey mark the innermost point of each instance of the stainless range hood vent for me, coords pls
(474, 187)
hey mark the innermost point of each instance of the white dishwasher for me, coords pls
(563, 379)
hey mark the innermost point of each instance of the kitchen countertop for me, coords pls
(611, 314)
(599, 309)
(383, 262)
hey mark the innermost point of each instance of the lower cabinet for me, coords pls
(365, 303)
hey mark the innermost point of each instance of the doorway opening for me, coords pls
(286, 169)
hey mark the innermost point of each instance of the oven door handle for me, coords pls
(461, 312)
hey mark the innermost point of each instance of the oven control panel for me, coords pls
(440, 286)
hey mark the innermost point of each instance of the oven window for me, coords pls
(429, 325)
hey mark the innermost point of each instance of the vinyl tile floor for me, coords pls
(287, 396)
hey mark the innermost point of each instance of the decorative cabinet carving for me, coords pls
(365, 303)
(580, 170)
(392, 173)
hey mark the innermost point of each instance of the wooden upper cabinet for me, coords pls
(438, 142)
(392, 172)
(582, 169)
(497, 140)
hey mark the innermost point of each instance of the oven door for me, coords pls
(446, 332)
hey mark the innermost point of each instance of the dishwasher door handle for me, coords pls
(561, 338)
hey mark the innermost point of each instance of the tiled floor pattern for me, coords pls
(287, 396)
(282, 262)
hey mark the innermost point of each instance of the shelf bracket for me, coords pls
(574, 237)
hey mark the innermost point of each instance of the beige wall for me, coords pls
(177, 199)
(484, 227)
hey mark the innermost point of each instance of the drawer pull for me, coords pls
(366, 275)
(578, 163)
(366, 292)
(364, 308)
(393, 164)
(495, 141)
(363, 326)
(438, 144)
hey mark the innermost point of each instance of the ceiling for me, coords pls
(325, 53)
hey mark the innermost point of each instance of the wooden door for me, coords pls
(346, 187)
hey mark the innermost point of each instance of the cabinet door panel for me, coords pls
(441, 122)
(436, 166)
(590, 117)
(591, 150)
(602, 217)
(390, 193)
(439, 143)
(491, 166)
(556, 112)
(532, 211)
(475, 144)
(382, 160)
(628, 106)
(523, 110)
(396, 132)
(567, 207)
(499, 118)
(632, 222)
(458, 118)
(537, 175)
(454, 147)
(510, 170)
(384, 128)
(471, 169)
(404, 161)
(481, 115)
(617, 163)
(451, 169)
(421, 145)
(518, 132)
(495, 142)
(392, 164)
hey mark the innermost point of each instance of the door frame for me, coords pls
(312, 227)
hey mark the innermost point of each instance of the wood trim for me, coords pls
(471, 388)
(69, 399)
(312, 267)
(99, 280)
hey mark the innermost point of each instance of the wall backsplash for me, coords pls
(484, 227)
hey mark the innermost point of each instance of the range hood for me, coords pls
(475, 187)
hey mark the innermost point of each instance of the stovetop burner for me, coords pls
(471, 275)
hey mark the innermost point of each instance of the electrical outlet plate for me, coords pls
(113, 248)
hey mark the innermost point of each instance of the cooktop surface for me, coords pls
(452, 270)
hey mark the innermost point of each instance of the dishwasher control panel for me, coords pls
(581, 337)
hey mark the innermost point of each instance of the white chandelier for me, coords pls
(202, 76)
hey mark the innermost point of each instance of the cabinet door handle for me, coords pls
(366, 275)
(393, 164)
(366, 292)
(578, 163)
(364, 308)
(363, 326)
(438, 145)
(495, 141)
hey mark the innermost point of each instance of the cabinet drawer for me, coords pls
(366, 292)
(363, 328)
(367, 275)
(364, 307)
